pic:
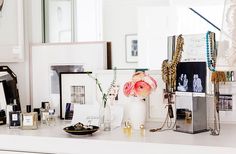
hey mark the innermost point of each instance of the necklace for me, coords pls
(216, 76)
(211, 50)
(169, 68)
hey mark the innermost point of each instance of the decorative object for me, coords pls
(81, 129)
(131, 44)
(139, 88)
(68, 80)
(107, 100)
(169, 68)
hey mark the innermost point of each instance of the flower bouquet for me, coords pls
(140, 87)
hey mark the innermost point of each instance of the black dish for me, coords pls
(81, 130)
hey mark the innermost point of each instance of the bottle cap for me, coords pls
(2, 113)
(28, 108)
(51, 111)
(43, 105)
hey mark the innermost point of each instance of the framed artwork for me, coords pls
(131, 44)
(156, 110)
(12, 26)
(49, 60)
(225, 102)
(75, 88)
(191, 77)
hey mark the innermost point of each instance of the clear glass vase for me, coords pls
(107, 118)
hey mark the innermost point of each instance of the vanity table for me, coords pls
(52, 139)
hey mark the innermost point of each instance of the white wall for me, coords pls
(120, 17)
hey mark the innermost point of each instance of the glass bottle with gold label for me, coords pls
(29, 119)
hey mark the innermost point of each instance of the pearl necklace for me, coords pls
(211, 51)
(169, 68)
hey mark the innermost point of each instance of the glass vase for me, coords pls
(107, 118)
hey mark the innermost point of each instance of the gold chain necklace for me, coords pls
(169, 68)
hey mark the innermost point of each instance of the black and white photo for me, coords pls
(191, 77)
(76, 88)
(131, 43)
(78, 94)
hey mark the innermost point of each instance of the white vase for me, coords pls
(137, 112)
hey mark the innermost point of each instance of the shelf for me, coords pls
(55, 140)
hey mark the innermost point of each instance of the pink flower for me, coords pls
(128, 88)
(142, 89)
(152, 82)
(138, 76)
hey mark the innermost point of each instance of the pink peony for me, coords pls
(142, 89)
(128, 88)
(138, 76)
(152, 82)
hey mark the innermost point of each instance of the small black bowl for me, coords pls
(88, 130)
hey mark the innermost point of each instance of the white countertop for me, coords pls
(53, 139)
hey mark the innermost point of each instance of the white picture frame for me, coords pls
(12, 26)
(43, 56)
(131, 47)
(79, 79)
(156, 110)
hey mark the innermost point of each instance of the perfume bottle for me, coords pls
(44, 112)
(51, 118)
(29, 119)
(2, 117)
(14, 117)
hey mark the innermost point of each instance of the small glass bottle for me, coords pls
(44, 112)
(14, 118)
(51, 119)
(29, 119)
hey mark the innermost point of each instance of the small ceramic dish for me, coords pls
(80, 129)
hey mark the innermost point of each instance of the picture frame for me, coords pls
(12, 25)
(131, 47)
(76, 88)
(156, 110)
(191, 77)
(43, 56)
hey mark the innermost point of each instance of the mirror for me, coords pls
(8, 88)
(151, 21)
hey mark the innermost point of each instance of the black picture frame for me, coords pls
(191, 77)
(70, 79)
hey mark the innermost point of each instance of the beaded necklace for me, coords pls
(210, 51)
(169, 68)
(216, 76)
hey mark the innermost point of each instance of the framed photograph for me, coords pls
(131, 44)
(225, 102)
(191, 77)
(75, 88)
